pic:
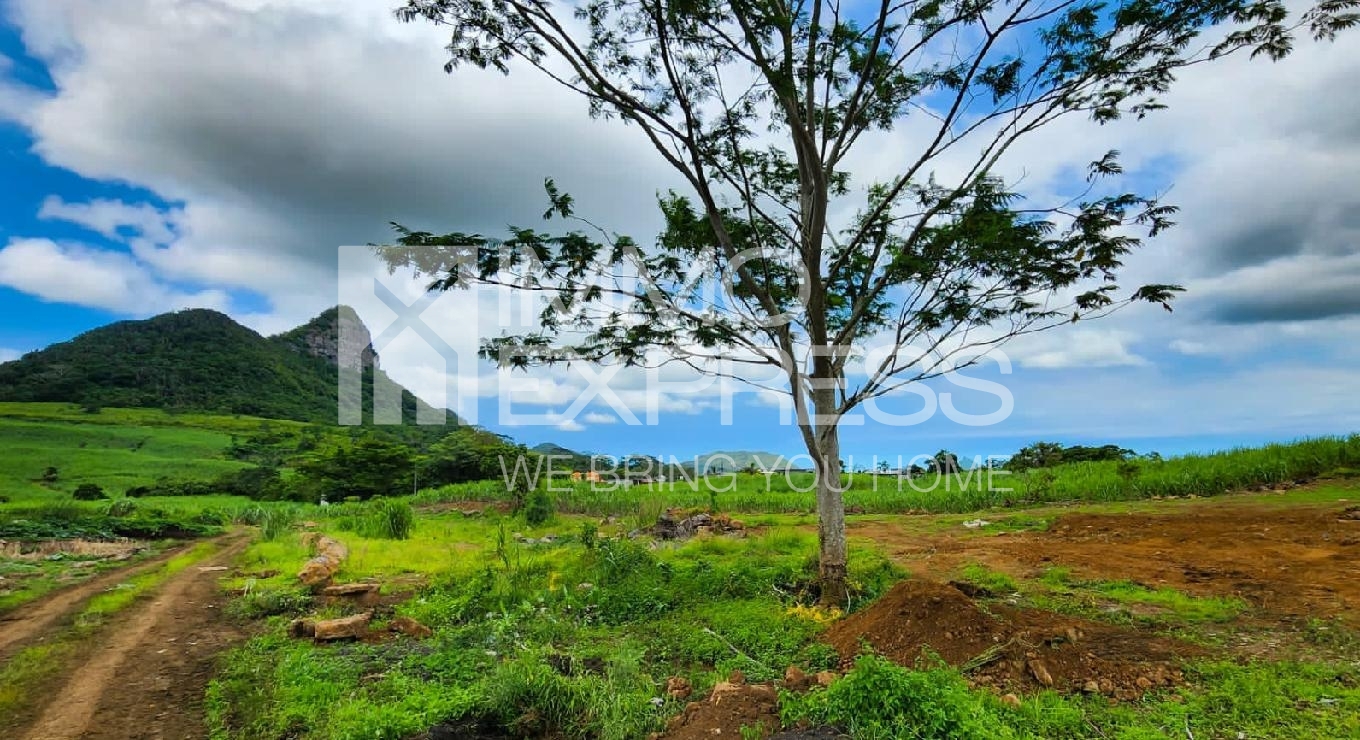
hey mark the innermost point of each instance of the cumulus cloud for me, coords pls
(96, 278)
(281, 130)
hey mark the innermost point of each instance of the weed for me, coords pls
(994, 581)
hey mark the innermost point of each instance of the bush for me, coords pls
(388, 519)
(89, 492)
(880, 700)
(276, 521)
(538, 507)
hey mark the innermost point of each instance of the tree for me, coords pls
(89, 492)
(758, 105)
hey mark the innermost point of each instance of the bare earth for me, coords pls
(146, 674)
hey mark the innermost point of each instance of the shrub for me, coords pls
(89, 492)
(881, 700)
(538, 507)
(121, 508)
(388, 519)
(276, 521)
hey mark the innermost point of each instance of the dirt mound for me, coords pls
(1007, 647)
(681, 524)
(729, 708)
(1290, 560)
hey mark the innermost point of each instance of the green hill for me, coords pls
(202, 360)
(731, 461)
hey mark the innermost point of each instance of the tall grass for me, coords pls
(1197, 475)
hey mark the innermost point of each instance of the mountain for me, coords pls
(729, 461)
(564, 458)
(202, 360)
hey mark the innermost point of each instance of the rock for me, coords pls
(351, 589)
(1072, 635)
(344, 628)
(1040, 672)
(1106, 686)
(975, 523)
(825, 678)
(795, 679)
(323, 566)
(299, 628)
(677, 687)
(409, 627)
(1011, 700)
(737, 678)
(1143, 683)
(1091, 687)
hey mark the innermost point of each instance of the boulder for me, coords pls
(345, 628)
(319, 571)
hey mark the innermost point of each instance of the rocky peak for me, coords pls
(338, 336)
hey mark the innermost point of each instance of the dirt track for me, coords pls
(31, 621)
(1288, 560)
(145, 673)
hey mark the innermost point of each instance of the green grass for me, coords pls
(37, 578)
(113, 456)
(1191, 475)
(1129, 601)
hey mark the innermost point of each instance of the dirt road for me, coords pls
(145, 672)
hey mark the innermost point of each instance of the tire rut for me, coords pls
(147, 674)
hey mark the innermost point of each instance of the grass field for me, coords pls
(113, 448)
(970, 490)
(572, 628)
(576, 638)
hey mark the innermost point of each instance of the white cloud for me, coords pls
(1066, 348)
(114, 219)
(595, 417)
(95, 278)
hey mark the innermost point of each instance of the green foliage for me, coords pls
(193, 360)
(879, 700)
(258, 603)
(89, 492)
(275, 521)
(390, 520)
(997, 583)
(967, 491)
(538, 507)
(1050, 454)
(383, 519)
(367, 467)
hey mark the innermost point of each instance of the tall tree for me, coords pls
(758, 105)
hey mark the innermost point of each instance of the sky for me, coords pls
(168, 154)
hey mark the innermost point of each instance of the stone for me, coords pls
(351, 589)
(345, 628)
(409, 627)
(1091, 687)
(299, 628)
(795, 679)
(1040, 672)
(1011, 700)
(825, 678)
(678, 687)
(319, 571)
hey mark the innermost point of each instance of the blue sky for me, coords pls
(143, 173)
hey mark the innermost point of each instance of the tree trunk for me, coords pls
(832, 576)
